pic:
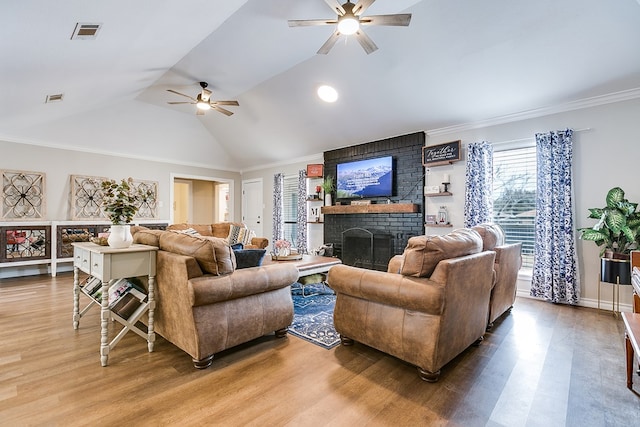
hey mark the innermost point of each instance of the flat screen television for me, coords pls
(365, 178)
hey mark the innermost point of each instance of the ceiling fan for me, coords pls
(203, 101)
(349, 22)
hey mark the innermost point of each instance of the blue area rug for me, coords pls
(313, 315)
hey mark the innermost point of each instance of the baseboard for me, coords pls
(605, 305)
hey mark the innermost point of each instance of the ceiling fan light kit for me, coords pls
(203, 101)
(327, 93)
(350, 22)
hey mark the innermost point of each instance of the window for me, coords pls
(514, 197)
(289, 213)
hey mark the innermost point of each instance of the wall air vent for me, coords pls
(85, 31)
(54, 98)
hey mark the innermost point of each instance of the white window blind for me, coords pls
(290, 200)
(514, 197)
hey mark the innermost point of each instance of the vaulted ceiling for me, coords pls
(459, 61)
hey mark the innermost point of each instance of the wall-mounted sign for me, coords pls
(315, 171)
(441, 154)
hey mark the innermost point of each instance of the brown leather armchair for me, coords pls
(508, 262)
(426, 309)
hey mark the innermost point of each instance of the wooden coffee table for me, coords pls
(309, 265)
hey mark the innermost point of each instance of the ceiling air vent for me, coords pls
(85, 31)
(54, 98)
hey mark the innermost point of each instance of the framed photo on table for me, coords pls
(315, 171)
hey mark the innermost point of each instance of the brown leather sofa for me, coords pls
(221, 230)
(508, 262)
(204, 304)
(429, 306)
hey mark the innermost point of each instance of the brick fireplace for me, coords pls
(387, 231)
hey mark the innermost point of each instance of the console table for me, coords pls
(108, 265)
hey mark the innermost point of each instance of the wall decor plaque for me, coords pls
(441, 154)
(86, 198)
(23, 195)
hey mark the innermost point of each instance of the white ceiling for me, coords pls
(459, 61)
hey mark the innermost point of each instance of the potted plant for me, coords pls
(327, 187)
(617, 232)
(120, 202)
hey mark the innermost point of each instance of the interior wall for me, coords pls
(204, 202)
(59, 165)
(267, 178)
(605, 156)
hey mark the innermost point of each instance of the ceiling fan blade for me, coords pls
(180, 102)
(222, 110)
(361, 6)
(181, 94)
(365, 41)
(205, 95)
(311, 22)
(335, 6)
(400, 20)
(331, 41)
(225, 103)
(199, 112)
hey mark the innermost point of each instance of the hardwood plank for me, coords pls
(544, 364)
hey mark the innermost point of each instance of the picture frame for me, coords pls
(430, 219)
(315, 170)
(441, 154)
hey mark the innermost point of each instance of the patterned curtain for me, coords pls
(478, 200)
(301, 218)
(278, 206)
(555, 268)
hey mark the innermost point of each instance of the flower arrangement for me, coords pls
(120, 201)
(280, 244)
(282, 247)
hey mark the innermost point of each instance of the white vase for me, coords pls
(283, 251)
(327, 199)
(120, 236)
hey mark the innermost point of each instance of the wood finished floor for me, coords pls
(542, 365)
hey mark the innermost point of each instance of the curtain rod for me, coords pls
(531, 138)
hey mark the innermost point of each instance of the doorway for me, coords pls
(201, 200)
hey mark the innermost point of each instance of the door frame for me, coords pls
(173, 176)
(243, 201)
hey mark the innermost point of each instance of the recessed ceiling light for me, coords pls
(327, 93)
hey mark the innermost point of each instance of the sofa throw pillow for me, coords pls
(423, 253)
(247, 258)
(246, 236)
(213, 254)
(234, 234)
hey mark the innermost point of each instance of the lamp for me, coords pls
(202, 105)
(348, 24)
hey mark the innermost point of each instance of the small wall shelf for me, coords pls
(438, 225)
(445, 193)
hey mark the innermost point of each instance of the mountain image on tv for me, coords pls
(365, 178)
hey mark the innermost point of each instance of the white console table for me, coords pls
(109, 264)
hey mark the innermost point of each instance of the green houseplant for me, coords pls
(617, 232)
(120, 202)
(618, 228)
(328, 187)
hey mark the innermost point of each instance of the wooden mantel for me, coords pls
(371, 209)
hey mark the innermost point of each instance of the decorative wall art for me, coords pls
(86, 198)
(23, 195)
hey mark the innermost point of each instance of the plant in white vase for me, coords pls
(120, 203)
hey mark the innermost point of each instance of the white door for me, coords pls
(252, 205)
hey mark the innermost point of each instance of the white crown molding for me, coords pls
(594, 101)
(17, 140)
(305, 159)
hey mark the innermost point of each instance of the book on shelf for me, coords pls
(126, 305)
(91, 284)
